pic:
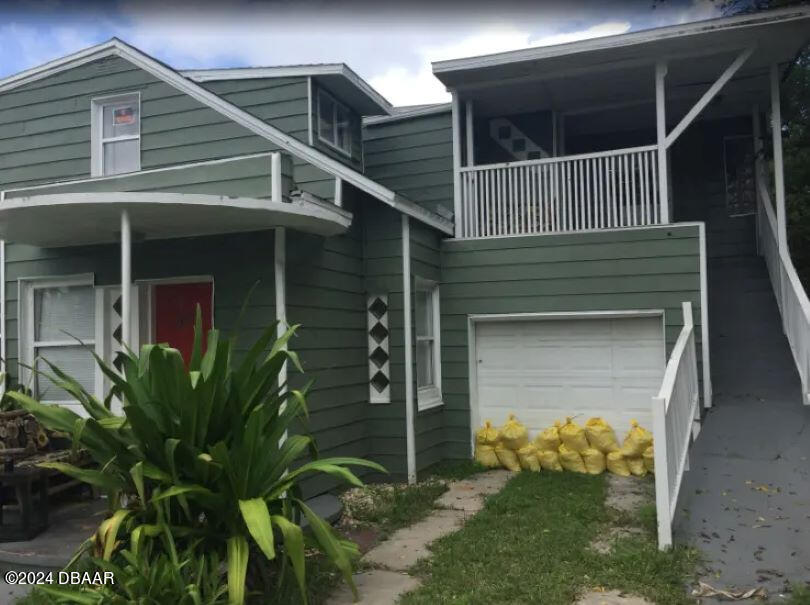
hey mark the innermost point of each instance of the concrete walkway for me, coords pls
(746, 500)
(391, 559)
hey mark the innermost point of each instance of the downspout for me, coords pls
(410, 442)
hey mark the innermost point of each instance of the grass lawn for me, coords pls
(530, 544)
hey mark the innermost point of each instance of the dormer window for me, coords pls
(116, 135)
(334, 123)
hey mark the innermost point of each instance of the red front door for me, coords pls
(175, 308)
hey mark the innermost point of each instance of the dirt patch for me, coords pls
(625, 501)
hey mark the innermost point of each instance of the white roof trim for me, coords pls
(116, 47)
(405, 115)
(629, 39)
(289, 71)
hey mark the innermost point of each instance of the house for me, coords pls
(528, 247)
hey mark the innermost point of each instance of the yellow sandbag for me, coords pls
(507, 457)
(636, 466)
(549, 439)
(485, 454)
(549, 460)
(573, 436)
(600, 435)
(637, 440)
(649, 459)
(527, 456)
(487, 434)
(594, 461)
(571, 460)
(514, 435)
(617, 465)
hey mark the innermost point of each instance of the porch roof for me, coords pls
(70, 219)
(617, 70)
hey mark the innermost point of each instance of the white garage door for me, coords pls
(544, 370)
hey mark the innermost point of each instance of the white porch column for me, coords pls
(661, 128)
(126, 279)
(456, 116)
(778, 165)
(280, 283)
(468, 118)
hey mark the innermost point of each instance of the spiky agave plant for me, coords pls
(206, 452)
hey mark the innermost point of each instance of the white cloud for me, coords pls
(403, 86)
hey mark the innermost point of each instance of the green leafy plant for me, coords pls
(204, 454)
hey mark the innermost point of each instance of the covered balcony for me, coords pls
(582, 136)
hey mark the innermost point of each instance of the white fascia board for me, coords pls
(289, 71)
(629, 39)
(406, 115)
(116, 47)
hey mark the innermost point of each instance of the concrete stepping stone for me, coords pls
(612, 597)
(409, 544)
(468, 494)
(376, 587)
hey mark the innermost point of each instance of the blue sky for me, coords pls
(388, 45)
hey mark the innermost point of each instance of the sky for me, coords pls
(390, 45)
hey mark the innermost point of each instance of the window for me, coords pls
(55, 312)
(116, 135)
(334, 123)
(428, 362)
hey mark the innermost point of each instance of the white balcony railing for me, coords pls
(617, 188)
(791, 297)
(676, 422)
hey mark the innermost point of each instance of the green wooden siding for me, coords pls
(45, 125)
(654, 268)
(246, 177)
(414, 157)
(383, 275)
(326, 296)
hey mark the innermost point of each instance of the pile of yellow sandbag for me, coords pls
(590, 449)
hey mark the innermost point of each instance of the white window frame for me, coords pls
(25, 331)
(335, 104)
(430, 396)
(97, 140)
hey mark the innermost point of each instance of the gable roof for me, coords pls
(116, 47)
(779, 33)
(339, 77)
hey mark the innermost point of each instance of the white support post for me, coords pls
(756, 129)
(709, 95)
(456, 116)
(280, 283)
(554, 134)
(126, 279)
(778, 163)
(338, 192)
(410, 441)
(661, 127)
(659, 413)
(276, 179)
(468, 118)
(561, 134)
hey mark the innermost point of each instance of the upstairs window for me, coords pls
(334, 123)
(116, 135)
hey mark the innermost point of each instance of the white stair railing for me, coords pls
(604, 190)
(791, 296)
(676, 422)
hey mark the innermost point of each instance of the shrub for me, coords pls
(202, 455)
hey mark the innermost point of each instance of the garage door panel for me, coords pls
(546, 370)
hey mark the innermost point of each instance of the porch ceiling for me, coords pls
(70, 219)
(617, 71)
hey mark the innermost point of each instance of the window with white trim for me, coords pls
(428, 361)
(54, 313)
(116, 135)
(334, 123)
